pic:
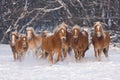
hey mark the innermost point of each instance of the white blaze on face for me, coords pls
(98, 33)
(75, 32)
(24, 39)
(75, 36)
(63, 37)
(98, 27)
(13, 40)
(63, 31)
(24, 42)
(29, 35)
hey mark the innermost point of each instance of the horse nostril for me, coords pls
(24, 45)
(75, 39)
(64, 39)
(98, 34)
(28, 38)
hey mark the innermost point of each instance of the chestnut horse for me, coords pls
(66, 44)
(18, 45)
(79, 42)
(100, 41)
(53, 44)
(34, 41)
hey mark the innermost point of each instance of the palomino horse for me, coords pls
(34, 41)
(100, 40)
(13, 38)
(79, 42)
(18, 45)
(53, 44)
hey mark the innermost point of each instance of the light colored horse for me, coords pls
(34, 41)
(13, 39)
(100, 40)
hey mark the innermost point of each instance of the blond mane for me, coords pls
(98, 23)
(76, 27)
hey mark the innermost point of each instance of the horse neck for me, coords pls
(103, 34)
(33, 35)
(56, 35)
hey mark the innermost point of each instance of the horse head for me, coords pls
(24, 41)
(14, 37)
(76, 32)
(30, 33)
(62, 33)
(98, 29)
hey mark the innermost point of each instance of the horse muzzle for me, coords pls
(75, 39)
(63, 39)
(29, 38)
(24, 45)
(98, 34)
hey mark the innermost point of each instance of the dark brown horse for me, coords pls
(100, 40)
(79, 42)
(34, 41)
(18, 45)
(53, 44)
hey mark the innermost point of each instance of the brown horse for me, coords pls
(79, 42)
(18, 45)
(53, 44)
(100, 40)
(34, 41)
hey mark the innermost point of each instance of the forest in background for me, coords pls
(47, 14)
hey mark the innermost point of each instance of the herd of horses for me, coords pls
(60, 42)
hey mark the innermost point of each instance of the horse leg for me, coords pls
(76, 54)
(105, 50)
(83, 55)
(35, 53)
(19, 56)
(95, 52)
(99, 54)
(14, 56)
(58, 56)
(51, 57)
(66, 50)
(43, 54)
(80, 54)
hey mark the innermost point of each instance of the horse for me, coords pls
(53, 44)
(79, 42)
(100, 41)
(18, 45)
(66, 45)
(34, 41)
(13, 38)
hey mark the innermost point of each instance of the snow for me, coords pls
(86, 69)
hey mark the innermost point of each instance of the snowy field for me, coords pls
(87, 69)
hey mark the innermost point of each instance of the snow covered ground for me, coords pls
(87, 69)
